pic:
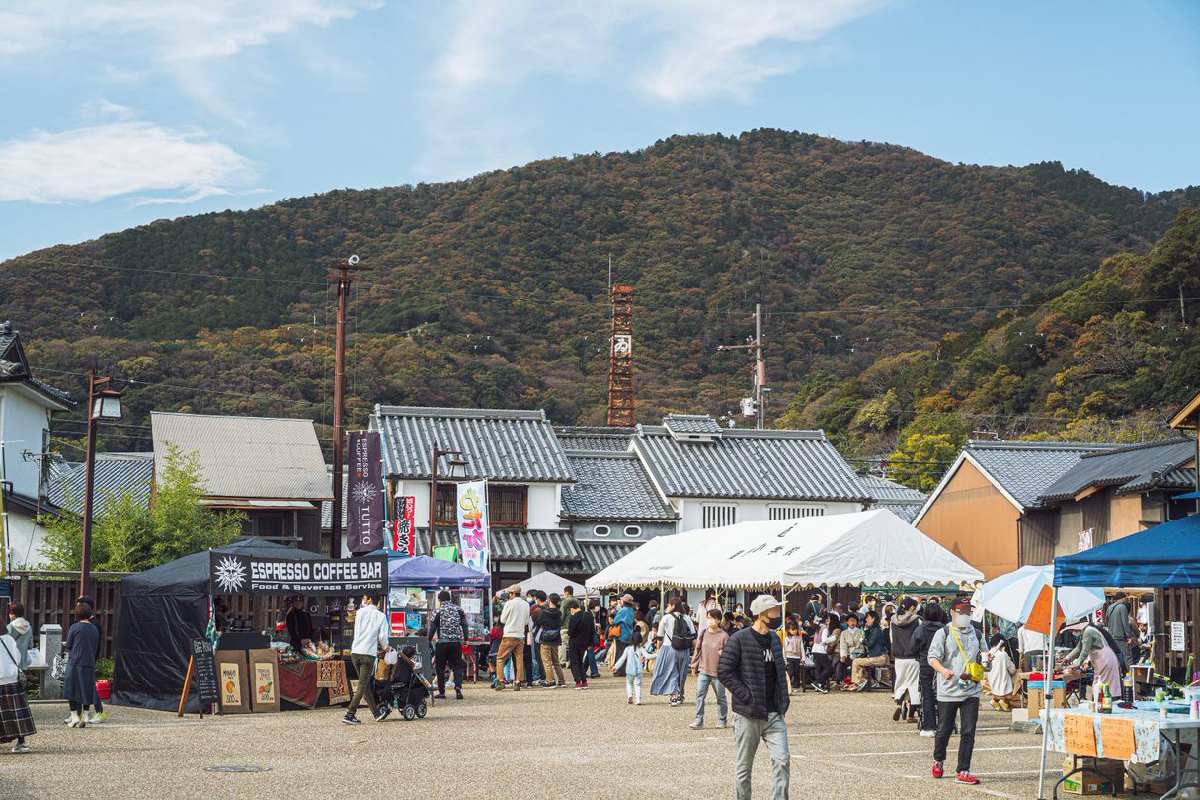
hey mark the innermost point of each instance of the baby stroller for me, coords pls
(404, 688)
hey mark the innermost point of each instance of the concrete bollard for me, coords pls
(50, 640)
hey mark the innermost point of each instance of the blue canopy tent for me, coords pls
(1167, 555)
(426, 572)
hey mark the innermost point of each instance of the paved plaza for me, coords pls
(536, 745)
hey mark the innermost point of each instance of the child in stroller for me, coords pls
(406, 690)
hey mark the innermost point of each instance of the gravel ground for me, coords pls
(531, 745)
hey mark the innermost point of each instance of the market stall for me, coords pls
(1167, 555)
(868, 547)
(412, 594)
(549, 582)
(169, 613)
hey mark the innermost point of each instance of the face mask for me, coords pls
(774, 623)
(961, 620)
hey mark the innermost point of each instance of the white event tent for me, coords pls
(867, 547)
(549, 582)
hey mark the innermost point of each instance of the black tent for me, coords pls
(161, 611)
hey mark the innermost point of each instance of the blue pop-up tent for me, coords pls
(425, 572)
(1164, 556)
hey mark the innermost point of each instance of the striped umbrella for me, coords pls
(1024, 597)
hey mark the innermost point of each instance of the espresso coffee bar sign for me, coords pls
(239, 574)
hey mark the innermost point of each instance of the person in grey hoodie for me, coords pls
(21, 631)
(953, 649)
(906, 690)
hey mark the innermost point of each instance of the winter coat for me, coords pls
(923, 637)
(904, 629)
(743, 671)
(581, 629)
(549, 626)
(875, 640)
(22, 633)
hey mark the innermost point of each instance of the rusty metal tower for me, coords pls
(621, 411)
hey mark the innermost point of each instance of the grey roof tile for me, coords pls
(1026, 469)
(499, 444)
(899, 499)
(14, 367)
(751, 464)
(599, 555)
(612, 486)
(510, 544)
(115, 474)
(691, 423)
(593, 438)
(1134, 468)
(250, 457)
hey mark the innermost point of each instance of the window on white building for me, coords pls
(633, 530)
(600, 530)
(794, 512)
(714, 516)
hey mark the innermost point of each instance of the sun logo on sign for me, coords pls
(363, 492)
(230, 574)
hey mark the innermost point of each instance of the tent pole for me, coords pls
(1047, 693)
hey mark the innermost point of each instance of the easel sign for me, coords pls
(201, 674)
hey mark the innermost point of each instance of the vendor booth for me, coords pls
(170, 615)
(549, 582)
(413, 584)
(868, 547)
(1150, 732)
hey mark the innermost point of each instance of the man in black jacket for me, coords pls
(449, 626)
(752, 669)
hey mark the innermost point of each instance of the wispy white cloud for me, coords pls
(116, 159)
(673, 50)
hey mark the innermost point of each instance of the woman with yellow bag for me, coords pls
(954, 655)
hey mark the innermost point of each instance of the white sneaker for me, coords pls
(96, 719)
(74, 721)
(21, 748)
(928, 734)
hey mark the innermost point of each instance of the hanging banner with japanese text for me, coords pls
(364, 520)
(474, 536)
(404, 539)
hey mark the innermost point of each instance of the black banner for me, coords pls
(204, 678)
(238, 574)
(364, 517)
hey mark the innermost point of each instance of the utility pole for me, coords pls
(760, 369)
(339, 402)
(104, 402)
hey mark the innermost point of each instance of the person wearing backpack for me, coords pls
(677, 636)
(549, 637)
(955, 655)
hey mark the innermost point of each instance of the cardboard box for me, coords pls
(1099, 776)
(1037, 698)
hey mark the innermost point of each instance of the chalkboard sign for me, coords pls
(205, 676)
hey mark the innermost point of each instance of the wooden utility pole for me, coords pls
(760, 367)
(339, 403)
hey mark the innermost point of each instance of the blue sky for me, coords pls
(119, 112)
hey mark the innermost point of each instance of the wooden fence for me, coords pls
(1180, 606)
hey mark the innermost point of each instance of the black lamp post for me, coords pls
(104, 402)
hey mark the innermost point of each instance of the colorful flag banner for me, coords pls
(365, 517)
(474, 534)
(404, 538)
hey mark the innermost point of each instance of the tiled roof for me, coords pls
(750, 464)
(612, 486)
(498, 444)
(327, 505)
(1027, 469)
(899, 499)
(1136, 468)
(115, 474)
(593, 438)
(510, 544)
(250, 457)
(599, 555)
(14, 368)
(691, 423)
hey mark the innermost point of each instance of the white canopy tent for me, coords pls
(868, 547)
(549, 582)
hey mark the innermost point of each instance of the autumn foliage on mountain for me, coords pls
(904, 295)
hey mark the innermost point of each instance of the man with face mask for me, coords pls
(955, 647)
(752, 669)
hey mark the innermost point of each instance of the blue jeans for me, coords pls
(590, 660)
(702, 684)
(747, 733)
(538, 673)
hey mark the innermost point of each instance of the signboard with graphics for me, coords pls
(404, 538)
(231, 573)
(204, 678)
(364, 518)
(1085, 539)
(474, 534)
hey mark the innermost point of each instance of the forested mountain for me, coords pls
(881, 269)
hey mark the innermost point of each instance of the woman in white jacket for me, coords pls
(16, 721)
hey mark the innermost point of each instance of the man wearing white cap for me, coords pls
(752, 669)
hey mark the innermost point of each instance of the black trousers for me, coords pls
(620, 673)
(929, 704)
(795, 671)
(575, 656)
(822, 669)
(448, 654)
(840, 670)
(968, 717)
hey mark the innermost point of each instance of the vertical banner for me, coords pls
(404, 539)
(474, 535)
(364, 520)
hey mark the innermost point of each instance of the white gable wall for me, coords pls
(23, 426)
(691, 509)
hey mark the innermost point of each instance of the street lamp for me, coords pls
(104, 402)
(459, 461)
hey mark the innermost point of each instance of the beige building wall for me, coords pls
(1125, 515)
(1070, 523)
(973, 520)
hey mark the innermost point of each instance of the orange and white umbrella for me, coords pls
(1024, 597)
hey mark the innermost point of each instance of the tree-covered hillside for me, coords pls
(872, 260)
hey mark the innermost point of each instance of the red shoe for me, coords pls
(967, 778)
(937, 769)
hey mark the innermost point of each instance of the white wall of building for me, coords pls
(25, 539)
(543, 499)
(691, 510)
(23, 422)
